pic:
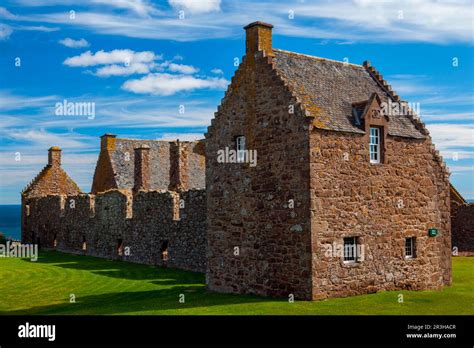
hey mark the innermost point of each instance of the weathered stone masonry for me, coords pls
(308, 119)
(132, 215)
(99, 225)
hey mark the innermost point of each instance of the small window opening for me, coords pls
(164, 251)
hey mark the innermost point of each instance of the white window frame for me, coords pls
(240, 148)
(374, 144)
(410, 249)
(354, 257)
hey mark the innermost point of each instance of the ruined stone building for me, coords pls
(344, 197)
(147, 204)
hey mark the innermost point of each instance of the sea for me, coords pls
(10, 220)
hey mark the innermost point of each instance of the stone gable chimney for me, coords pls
(107, 142)
(258, 38)
(142, 168)
(54, 156)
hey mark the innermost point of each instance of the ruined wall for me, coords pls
(382, 205)
(108, 224)
(248, 206)
(462, 225)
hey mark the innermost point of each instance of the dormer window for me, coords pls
(240, 147)
(375, 145)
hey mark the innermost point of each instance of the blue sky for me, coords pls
(140, 60)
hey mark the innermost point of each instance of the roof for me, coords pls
(455, 195)
(52, 180)
(122, 161)
(328, 89)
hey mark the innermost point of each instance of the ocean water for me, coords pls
(10, 221)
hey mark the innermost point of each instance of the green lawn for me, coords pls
(110, 287)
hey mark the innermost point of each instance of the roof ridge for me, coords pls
(161, 140)
(318, 58)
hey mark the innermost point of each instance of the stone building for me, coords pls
(462, 224)
(345, 191)
(315, 180)
(148, 205)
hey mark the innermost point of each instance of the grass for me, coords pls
(111, 287)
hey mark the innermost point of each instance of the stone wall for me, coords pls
(381, 205)
(156, 227)
(248, 207)
(462, 225)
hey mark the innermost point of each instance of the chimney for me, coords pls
(178, 167)
(107, 142)
(142, 168)
(54, 156)
(258, 38)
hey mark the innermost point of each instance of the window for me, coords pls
(240, 147)
(350, 249)
(84, 244)
(164, 251)
(55, 241)
(374, 144)
(410, 250)
(119, 247)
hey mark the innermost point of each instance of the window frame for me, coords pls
(355, 257)
(240, 147)
(377, 144)
(411, 247)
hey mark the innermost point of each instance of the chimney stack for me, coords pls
(258, 38)
(54, 156)
(142, 168)
(107, 142)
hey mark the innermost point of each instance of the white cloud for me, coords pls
(113, 57)
(5, 31)
(4, 13)
(181, 68)
(167, 84)
(346, 20)
(181, 136)
(217, 71)
(196, 6)
(68, 42)
(123, 70)
(453, 138)
(44, 139)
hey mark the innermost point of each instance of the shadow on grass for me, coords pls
(120, 269)
(191, 284)
(139, 301)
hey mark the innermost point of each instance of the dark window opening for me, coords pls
(164, 251)
(55, 241)
(119, 247)
(351, 250)
(410, 248)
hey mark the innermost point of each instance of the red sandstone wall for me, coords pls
(354, 198)
(248, 206)
(143, 222)
(462, 224)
